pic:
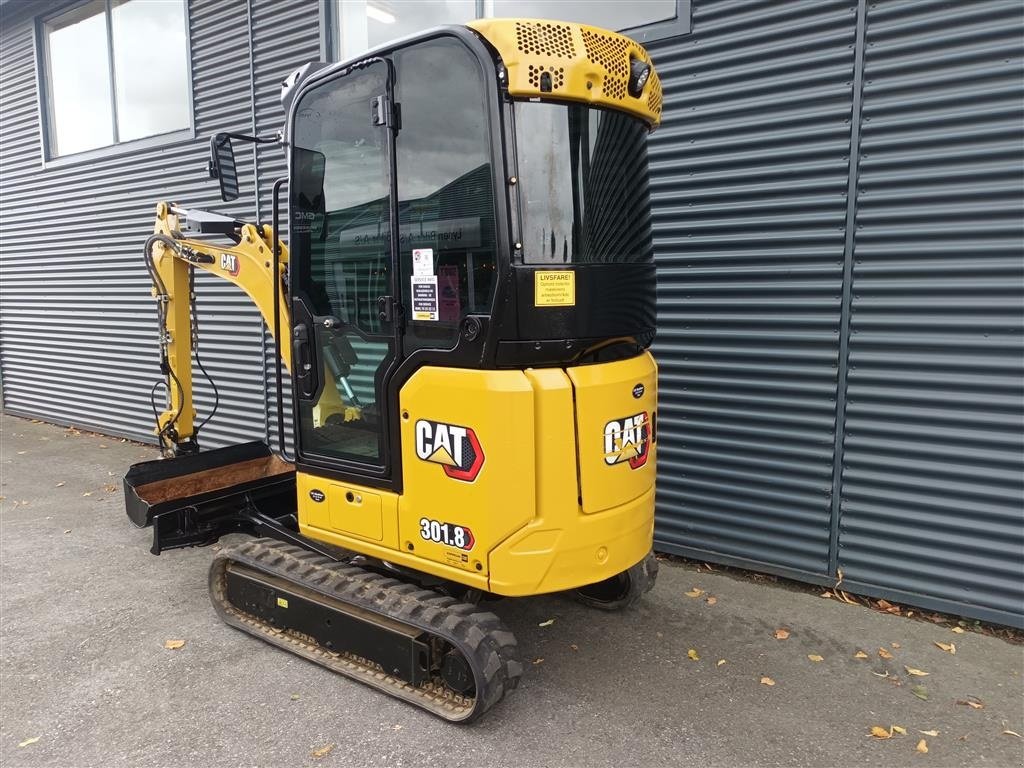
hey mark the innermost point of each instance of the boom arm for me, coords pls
(172, 259)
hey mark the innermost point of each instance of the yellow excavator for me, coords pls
(465, 400)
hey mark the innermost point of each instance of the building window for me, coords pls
(365, 24)
(115, 71)
(360, 25)
(610, 15)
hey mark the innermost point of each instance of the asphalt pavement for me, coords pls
(682, 680)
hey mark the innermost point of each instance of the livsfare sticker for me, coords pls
(424, 297)
(554, 288)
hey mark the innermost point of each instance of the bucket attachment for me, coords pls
(193, 500)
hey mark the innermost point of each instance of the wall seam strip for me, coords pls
(256, 195)
(847, 295)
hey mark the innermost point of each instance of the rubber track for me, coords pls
(488, 646)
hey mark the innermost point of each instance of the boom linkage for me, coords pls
(172, 259)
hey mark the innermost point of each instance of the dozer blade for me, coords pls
(195, 499)
(450, 658)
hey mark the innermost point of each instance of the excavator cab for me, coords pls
(464, 308)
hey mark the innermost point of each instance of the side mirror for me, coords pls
(222, 166)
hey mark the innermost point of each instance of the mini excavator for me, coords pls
(465, 400)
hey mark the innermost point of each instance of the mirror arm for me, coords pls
(275, 139)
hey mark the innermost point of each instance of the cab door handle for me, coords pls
(304, 375)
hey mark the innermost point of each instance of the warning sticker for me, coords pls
(423, 261)
(554, 288)
(424, 297)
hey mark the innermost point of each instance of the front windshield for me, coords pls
(583, 189)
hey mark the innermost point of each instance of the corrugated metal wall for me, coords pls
(933, 466)
(838, 199)
(78, 329)
(749, 175)
(283, 40)
(778, 323)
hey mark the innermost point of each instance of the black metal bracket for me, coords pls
(183, 527)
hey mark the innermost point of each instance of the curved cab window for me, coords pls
(583, 189)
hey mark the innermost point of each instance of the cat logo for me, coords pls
(229, 263)
(628, 439)
(455, 448)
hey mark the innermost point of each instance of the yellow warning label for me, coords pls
(282, 603)
(554, 288)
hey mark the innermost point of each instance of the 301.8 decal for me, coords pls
(448, 534)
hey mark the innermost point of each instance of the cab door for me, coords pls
(343, 267)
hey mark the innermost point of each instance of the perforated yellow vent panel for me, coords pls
(577, 63)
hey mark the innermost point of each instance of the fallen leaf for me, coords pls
(67, 530)
(720, 662)
(929, 733)
(538, 660)
(900, 730)
(693, 655)
(947, 647)
(695, 592)
(22, 453)
(880, 733)
(33, 740)
(922, 747)
(87, 493)
(815, 657)
(767, 681)
(547, 623)
(826, 595)
(711, 600)
(295, 697)
(781, 634)
(173, 645)
(880, 674)
(860, 655)
(884, 653)
(59, 485)
(1012, 733)
(573, 647)
(895, 645)
(884, 604)
(324, 750)
(109, 487)
(958, 630)
(916, 672)
(973, 702)
(920, 691)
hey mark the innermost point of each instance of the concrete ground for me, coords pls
(86, 610)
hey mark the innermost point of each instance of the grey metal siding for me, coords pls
(78, 331)
(78, 335)
(749, 177)
(933, 466)
(285, 36)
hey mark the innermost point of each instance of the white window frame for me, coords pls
(50, 158)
